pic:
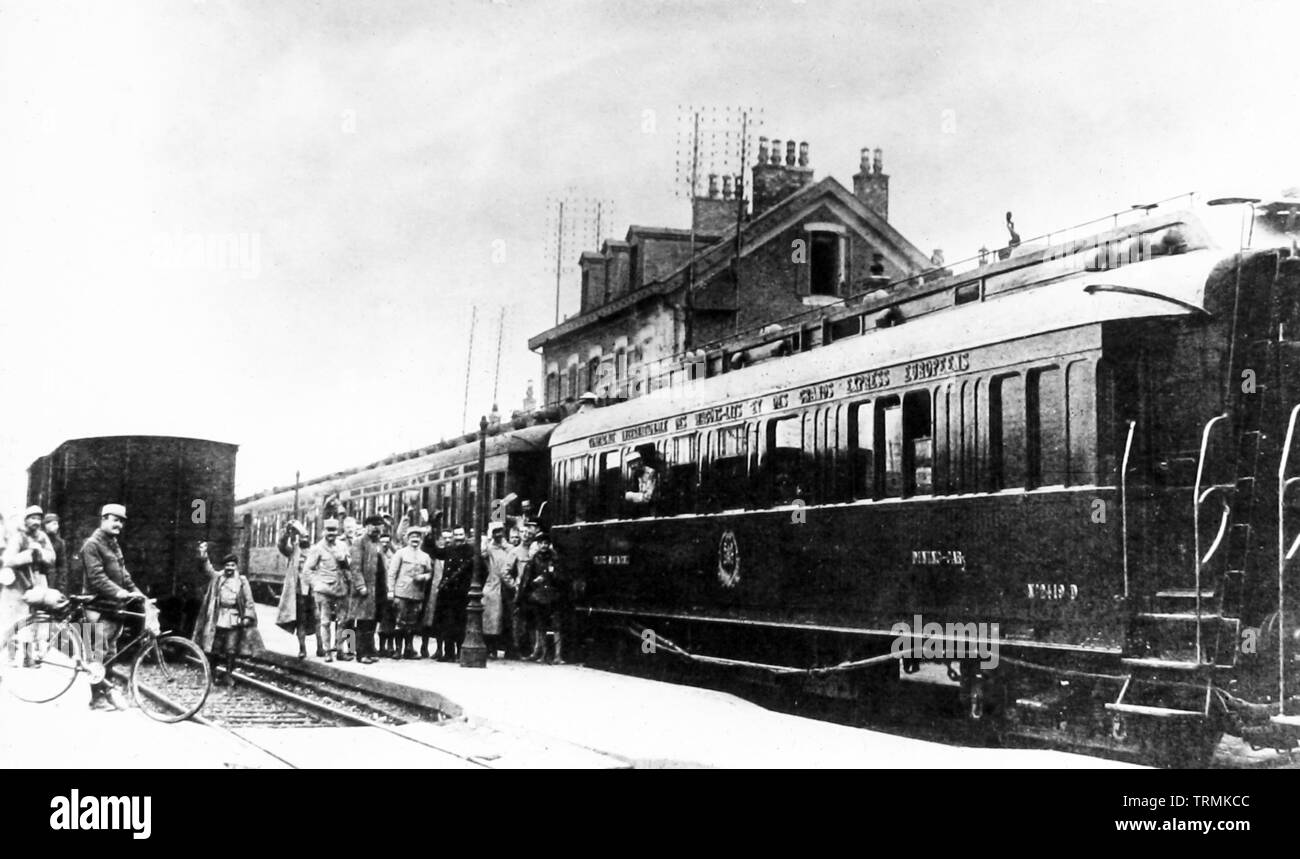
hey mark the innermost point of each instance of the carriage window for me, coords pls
(611, 484)
(862, 461)
(682, 477)
(786, 465)
(889, 425)
(906, 447)
(918, 452)
(578, 490)
(1007, 432)
(1045, 427)
(729, 479)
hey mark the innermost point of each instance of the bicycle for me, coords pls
(169, 676)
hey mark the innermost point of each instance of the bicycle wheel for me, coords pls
(170, 679)
(40, 658)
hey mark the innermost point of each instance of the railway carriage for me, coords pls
(428, 479)
(1081, 450)
(177, 492)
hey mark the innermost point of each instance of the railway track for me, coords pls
(266, 696)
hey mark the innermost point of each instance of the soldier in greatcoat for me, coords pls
(297, 610)
(408, 576)
(367, 561)
(498, 562)
(227, 622)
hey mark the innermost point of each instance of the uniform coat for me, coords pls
(328, 577)
(205, 626)
(411, 572)
(497, 559)
(103, 568)
(296, 584)
(368, 563)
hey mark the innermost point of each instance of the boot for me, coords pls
(559, 649)
(539, 647)
(424, 647)
(408, 643)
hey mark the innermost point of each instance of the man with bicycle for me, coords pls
(105, 576)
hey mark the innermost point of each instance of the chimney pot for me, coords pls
(776, 151)
(726, 187)
(864, 164)
(713, 185)
(789, 153)
(803, 154)
(877, 165)
(762, 150)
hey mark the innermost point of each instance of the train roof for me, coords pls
(1164, 286)
(415, 462)
(109, 439)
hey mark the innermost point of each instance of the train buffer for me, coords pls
(571, 716)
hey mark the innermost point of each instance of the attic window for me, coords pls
(826, 263)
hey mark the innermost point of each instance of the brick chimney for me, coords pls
(593, 280)
(871, 185)
(774, 180)
(712, 215)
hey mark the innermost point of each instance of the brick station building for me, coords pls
(654, 304)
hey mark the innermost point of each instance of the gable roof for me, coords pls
(716, 256)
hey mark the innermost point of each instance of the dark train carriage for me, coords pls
(177, 491)
(1083, 446)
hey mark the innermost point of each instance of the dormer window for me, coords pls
(827, 260)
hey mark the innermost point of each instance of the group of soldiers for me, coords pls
(367, 592)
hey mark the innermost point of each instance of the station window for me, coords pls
(826, 263)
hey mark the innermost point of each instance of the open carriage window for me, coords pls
(786, 463)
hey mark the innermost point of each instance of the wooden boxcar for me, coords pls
(177, 492)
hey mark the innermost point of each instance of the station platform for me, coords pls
(642, 723)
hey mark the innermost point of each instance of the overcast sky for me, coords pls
(381, 167)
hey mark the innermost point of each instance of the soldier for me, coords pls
(543, 590)
(347, 620)
(59, 572)
(409, 575)
(297, 612)
(227, 621)
(368, 562)
(327, 568)
(105, 575)
(29, 553)
(435, 546)
(498, 560)
(457, 572)
(385, 612)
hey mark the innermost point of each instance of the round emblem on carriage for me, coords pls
(728, 560)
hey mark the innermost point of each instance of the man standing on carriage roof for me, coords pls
(227, 621)
(104, 574)
(297, 610)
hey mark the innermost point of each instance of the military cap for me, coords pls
(112, 510)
